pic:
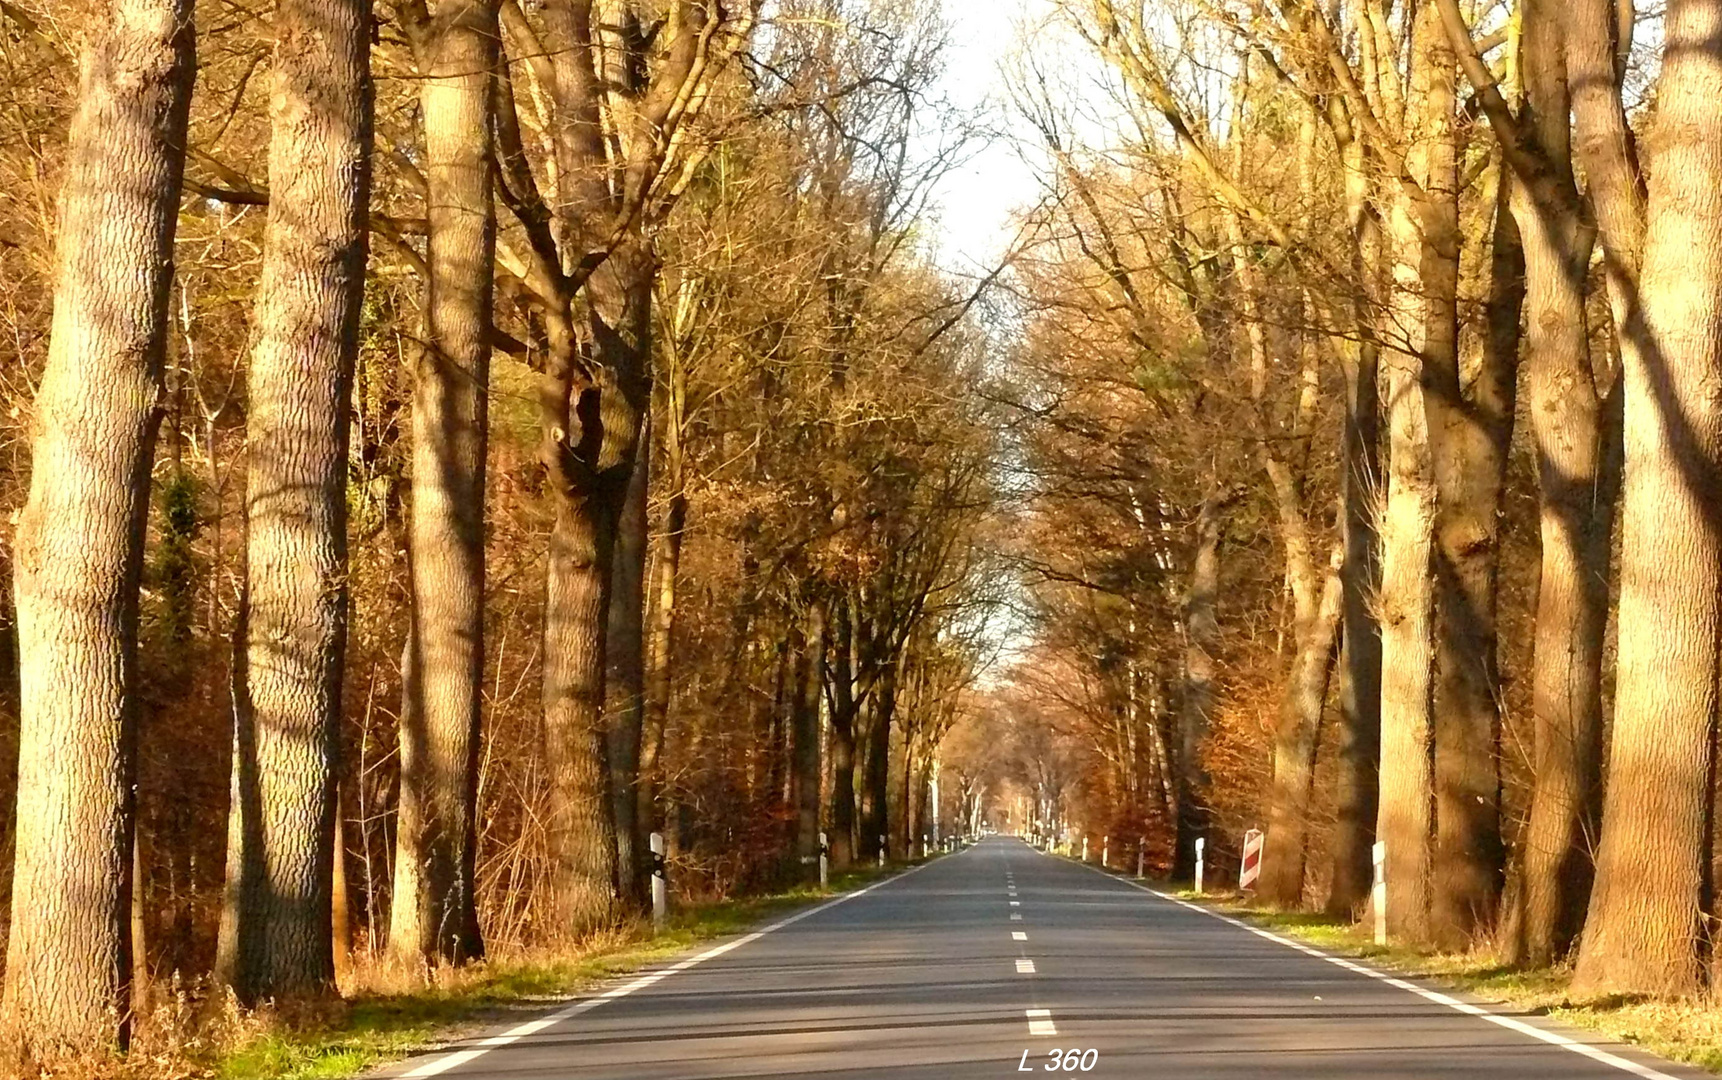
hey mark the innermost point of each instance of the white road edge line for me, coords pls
(1595, 1053)
(452, 1059)
(1040, 1022)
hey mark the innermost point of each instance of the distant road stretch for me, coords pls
(984, 963)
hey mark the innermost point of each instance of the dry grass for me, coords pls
(1688, 1031)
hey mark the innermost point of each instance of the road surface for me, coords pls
(956, 969)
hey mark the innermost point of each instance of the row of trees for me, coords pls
(1365, 386)
(570, 375)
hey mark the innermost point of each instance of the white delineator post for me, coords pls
(1378, 892)
(824, 862)
(1201, 849)
(1105, 852)
(1141, 855)
(660, 886)
(1085, 847)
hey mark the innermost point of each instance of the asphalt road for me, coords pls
(955, 969)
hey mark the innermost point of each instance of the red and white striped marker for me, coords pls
(1251, 869)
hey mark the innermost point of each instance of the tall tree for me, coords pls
(80, 539)
(623, 91)
(275, 938)
(1648, 905)
(434, 916)
(1577, 451)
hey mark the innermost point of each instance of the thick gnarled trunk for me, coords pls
(293, 618)
(80, 538)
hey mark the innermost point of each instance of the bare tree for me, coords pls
(276, 935)
(80, 541)
(434, 915)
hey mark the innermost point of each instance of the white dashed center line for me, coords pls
(1040, 1022)
(1016, 903)
(1024, 966)
(1016, 916)
(1018, 935)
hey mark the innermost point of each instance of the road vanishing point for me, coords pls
(1000, 961)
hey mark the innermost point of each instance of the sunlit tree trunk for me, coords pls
(433, 916)
(80, 539)
(1404, 820)
(1357, 746)
(665, 567)
(293, 619)
(1577, 438)
(1646, 908)
(1470, 428)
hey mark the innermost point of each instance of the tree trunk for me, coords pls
(806, 775)
(625, 680)
(1357, 747)
(80, 539)
(1403, 818)
(1296, 736)
(1579, 479)
(659, 656)
(1201, 634)
(1404, 821)
(434, 916)
(1469, 433)
(841, 672)
(1646, 920)
(592, 408)
(293, 618)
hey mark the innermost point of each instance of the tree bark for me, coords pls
(593, 407)
(1296, 736)
(1647, 915)
(1404, 820)
(1357, 746)
(80, 538)
(1578, 478)
(625, 679)
(806, 775)
(659, 656)
(293, 618)
(1201, 634)
(1469, 434)
(841, 677)
(434, 916)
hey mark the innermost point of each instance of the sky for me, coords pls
(975, 202)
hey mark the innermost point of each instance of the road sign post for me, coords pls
(660, 885)
(1201, 855)
(1378, 892)
(1141, 855)
(1251, 867)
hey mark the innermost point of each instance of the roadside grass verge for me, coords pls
(1683, 1031)
(1687, 1031)
(387, 1013)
